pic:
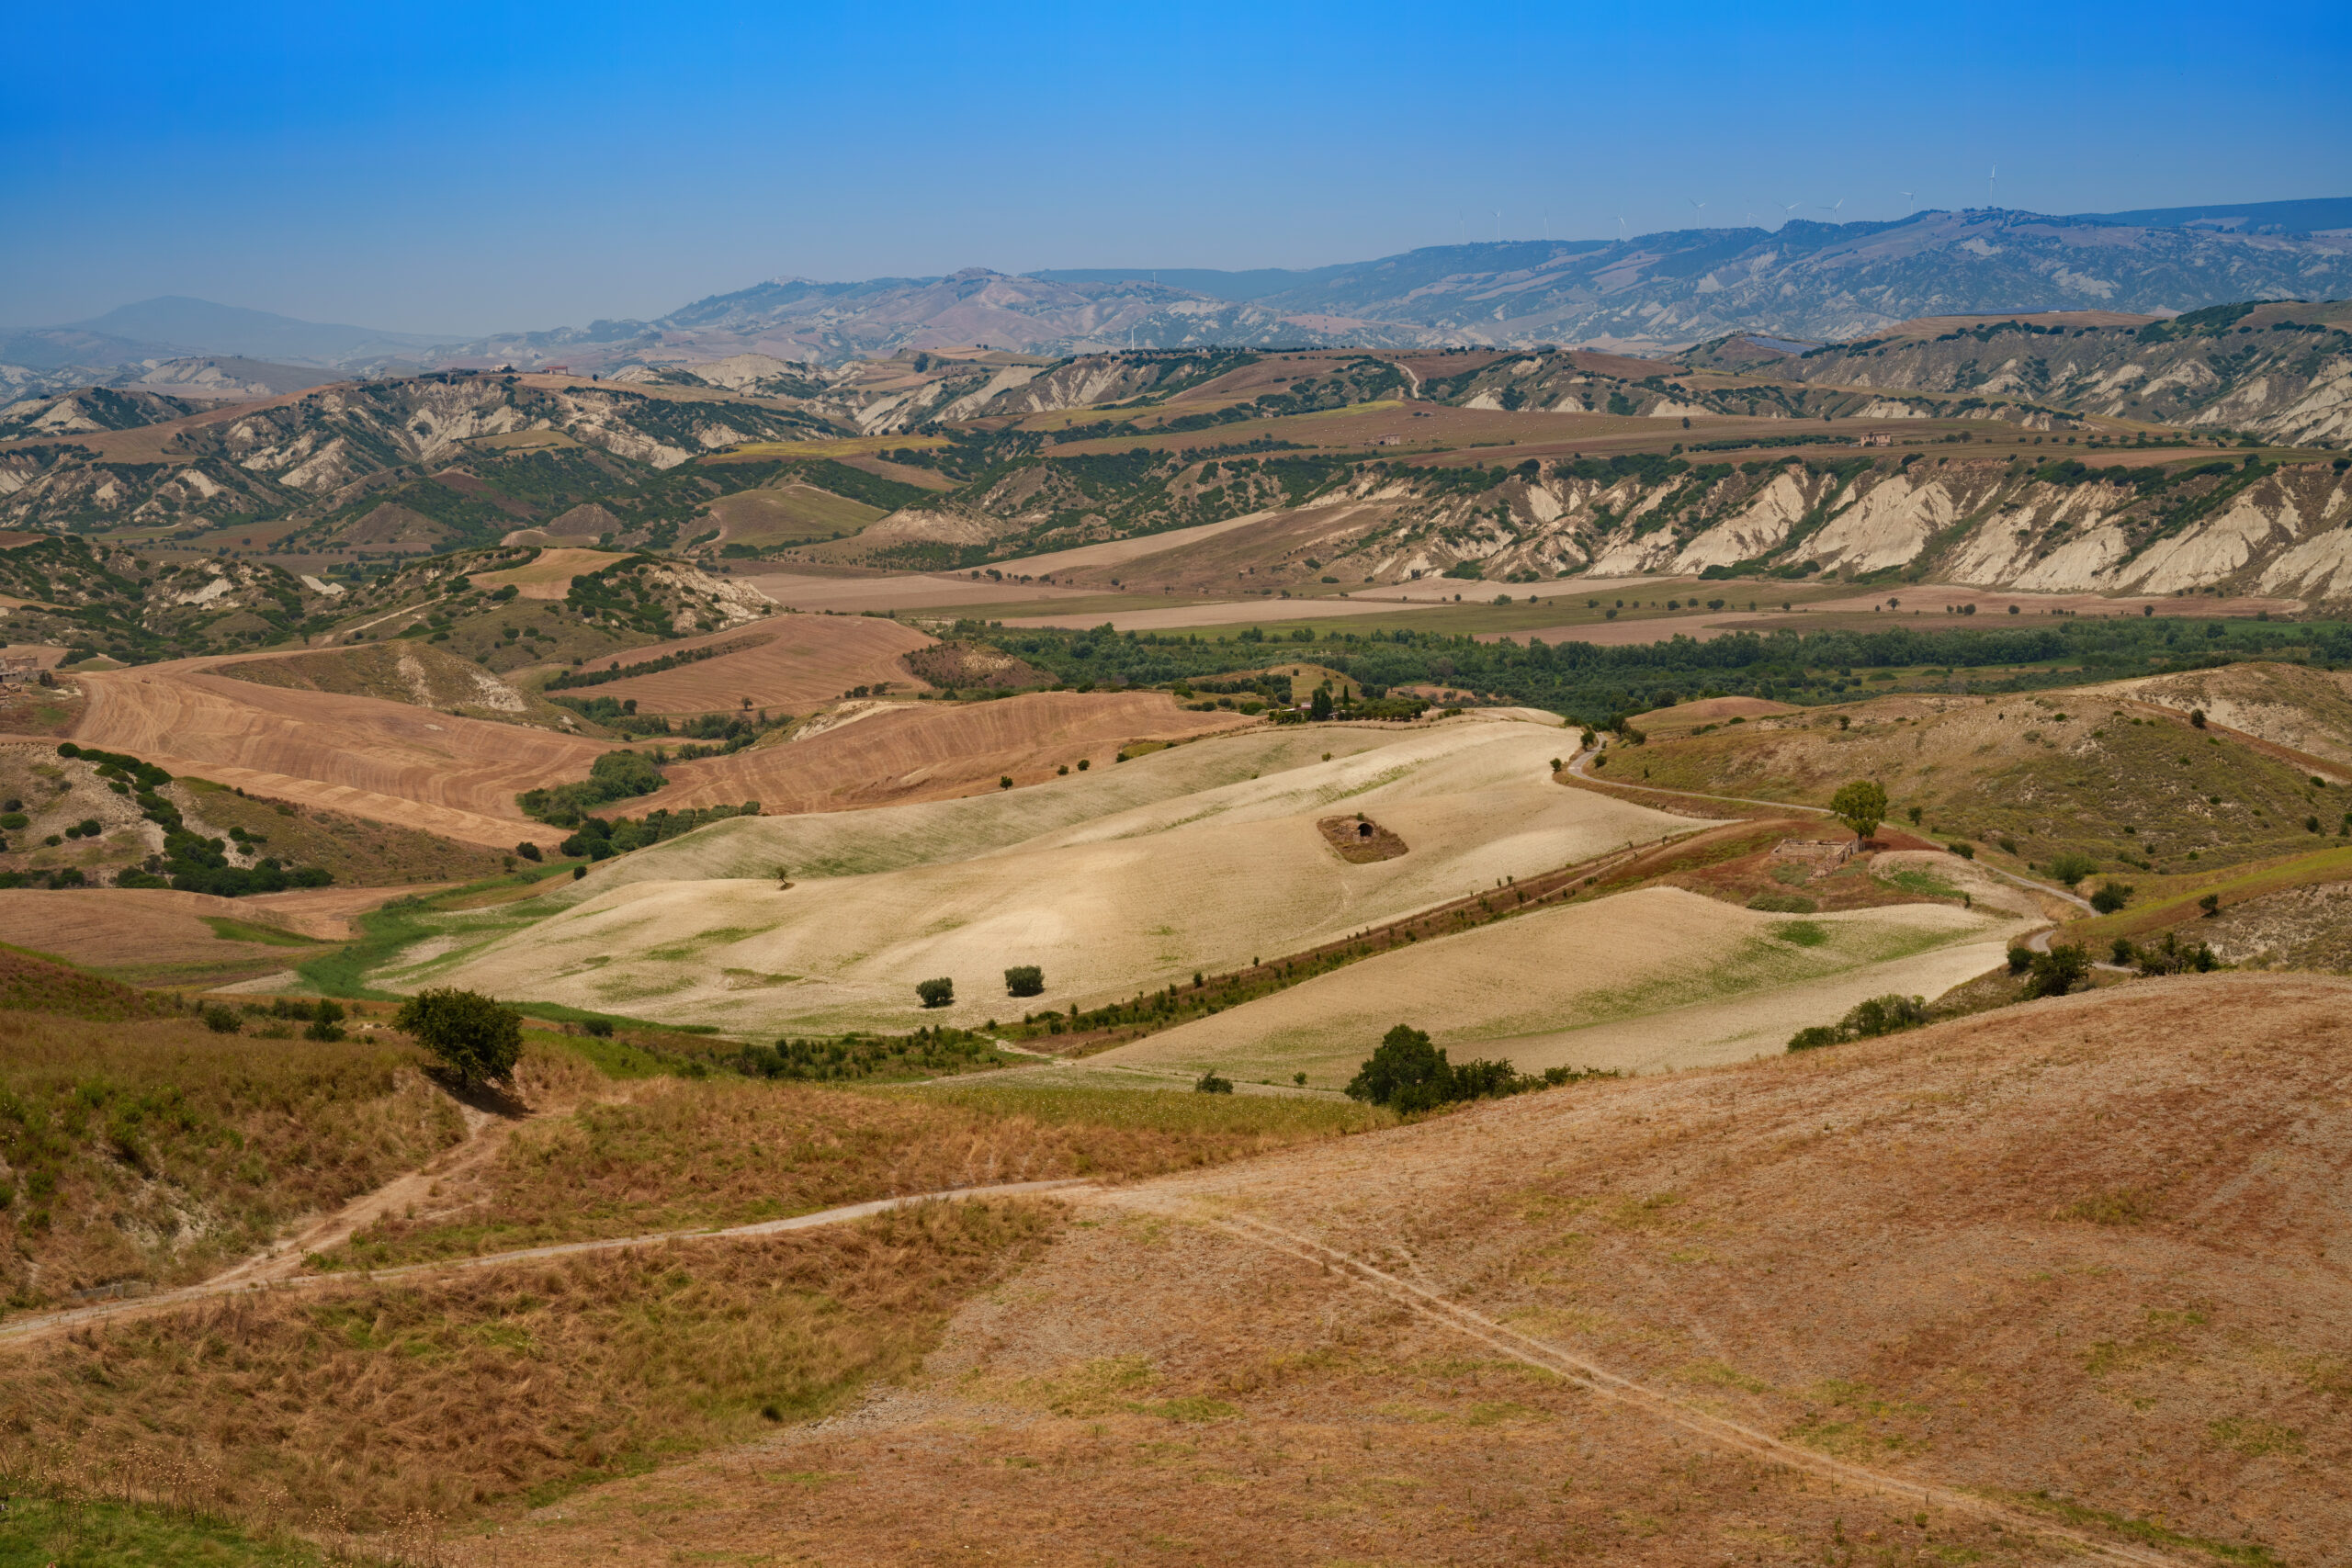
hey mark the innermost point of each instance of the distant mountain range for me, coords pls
(1650, 294)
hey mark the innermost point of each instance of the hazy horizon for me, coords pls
(483, 172)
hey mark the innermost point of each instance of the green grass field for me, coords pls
(75, 1533)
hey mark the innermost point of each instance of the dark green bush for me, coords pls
(2072, 868)
(2112, 896)
(477, 1038)
(1209, 1083)
(1407, 1073)
(1866, 1019)
(2058, 971)
(936, 993)
(1025, 980)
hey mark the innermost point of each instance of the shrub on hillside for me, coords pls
(2112, 896)
(2072, 868)
(1405, 1073)
(1209, 1083)
(1025, 980)
(2058, 971)
(1866, 1019)
(479, 1040)
(2170, 956)
(615, 775)
(936, 993)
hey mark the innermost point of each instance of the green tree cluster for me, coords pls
(478, 1039)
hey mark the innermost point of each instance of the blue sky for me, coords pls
(468, 168)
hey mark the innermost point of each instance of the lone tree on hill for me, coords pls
(936, 993)
(1025, 980)
(1861, 806)
(1404, 1070)
(472, 1033)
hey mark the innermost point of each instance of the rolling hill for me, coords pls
(1109, 907)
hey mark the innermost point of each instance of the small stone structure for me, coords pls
(1825, 855)
(1360, 841)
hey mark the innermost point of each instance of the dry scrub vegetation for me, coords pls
(721, 1152)
(2075, 1257)
(354, 850)
(154, 1150)
(372, 1404)
(2051, 773)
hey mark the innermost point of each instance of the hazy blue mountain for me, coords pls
(2277, 217)
(180, 325)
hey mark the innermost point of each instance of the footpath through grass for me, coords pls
(720, 1151)
(138, 1152)
(362, 1408)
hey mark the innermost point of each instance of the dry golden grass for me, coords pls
(370, 1403)
(726, 1151)
(155, 1150)
(933, 752)
(2073, 1258)
(2141, 793)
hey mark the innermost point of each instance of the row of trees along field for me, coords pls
(1589, 681)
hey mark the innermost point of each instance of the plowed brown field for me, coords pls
(370, 758)
(797, 663)
(155, 934)
(926, 752)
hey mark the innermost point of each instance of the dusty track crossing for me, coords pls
(33, 1328)
(1599, 1381)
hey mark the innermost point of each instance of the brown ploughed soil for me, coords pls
(927, 751)
(159, 935)
(2073, 1266)
(456, 777)
(791, 664)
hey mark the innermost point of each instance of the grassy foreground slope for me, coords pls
(137, 1145)
(1641, 981)
(2066, 1259)
(1107, 908)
